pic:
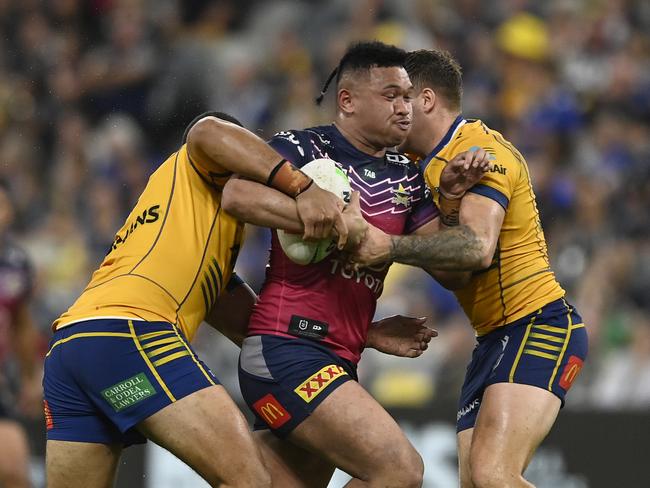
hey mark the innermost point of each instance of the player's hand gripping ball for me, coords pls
(329, 177)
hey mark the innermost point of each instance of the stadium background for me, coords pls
(94, 95)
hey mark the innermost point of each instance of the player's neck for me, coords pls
(357, 139)
(440, 124)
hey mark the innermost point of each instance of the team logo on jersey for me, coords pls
(571, 370)
(271, 411)
(312, 387)
(128, 392)
(401, 196)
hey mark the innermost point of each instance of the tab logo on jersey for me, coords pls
(318, 382)
(271, 411)
(401, 196)
(571, 370)
(128, 392)
(309, 328)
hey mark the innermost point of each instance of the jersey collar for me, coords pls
(349, 148)
(458, 123)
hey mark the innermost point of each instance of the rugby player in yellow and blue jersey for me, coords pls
(531, 341)
(120, 368)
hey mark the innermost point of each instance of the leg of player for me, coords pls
(14, 456)
(81, 464)
(207, 431)
(352, 431)
(291, 465)
(512, 421)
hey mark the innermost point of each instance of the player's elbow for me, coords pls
(235, 199)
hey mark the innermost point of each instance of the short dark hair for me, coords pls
(438, 70)
(362, 56)
(218, 115)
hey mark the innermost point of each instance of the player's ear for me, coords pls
(429, 100)
(344, 101)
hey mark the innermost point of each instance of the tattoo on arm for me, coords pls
(456, 249)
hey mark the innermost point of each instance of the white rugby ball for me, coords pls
(330, 177)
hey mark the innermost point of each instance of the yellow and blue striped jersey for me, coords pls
(173, 256)
(520, 279)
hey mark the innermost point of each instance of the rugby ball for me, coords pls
(330, 177)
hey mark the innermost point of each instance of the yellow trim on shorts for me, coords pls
(171, 357)
(164, 349)
(551, 328)
(577, 326)
(564, 346)
(159, 342)
(543, 345)
(207, 376)
(151, 335)
(538, 335)
(87, 334)
(151, 366)
(541, 354)
(521, 348)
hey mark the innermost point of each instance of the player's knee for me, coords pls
(405, 470)
(488, 475)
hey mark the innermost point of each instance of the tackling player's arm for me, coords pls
(454, 246)
(275, 210)
(218, 148)
(484, 217)
(232, 311)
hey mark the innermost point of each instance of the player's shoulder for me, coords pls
(319, 134)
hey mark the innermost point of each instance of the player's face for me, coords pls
(417, 138)
(382, 107)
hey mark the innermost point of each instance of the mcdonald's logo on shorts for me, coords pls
(571, 370)
(312, 386)
(271, 411)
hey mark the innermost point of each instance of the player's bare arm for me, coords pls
(232, 311)
(482, 218)
(273, 209)
(216, 145)
(400, 336)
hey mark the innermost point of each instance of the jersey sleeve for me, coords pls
(292, 145)
(499, 183)
(423, 211)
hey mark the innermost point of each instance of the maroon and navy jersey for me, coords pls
(15, 288)
(330, 301)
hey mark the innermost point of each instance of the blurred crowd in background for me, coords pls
(95, 94)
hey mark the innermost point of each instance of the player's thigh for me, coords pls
(352, 431)
(464, 440)
(512, 422)
(291, 465)
(80, 464)
(14, 455)
(207, 431)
